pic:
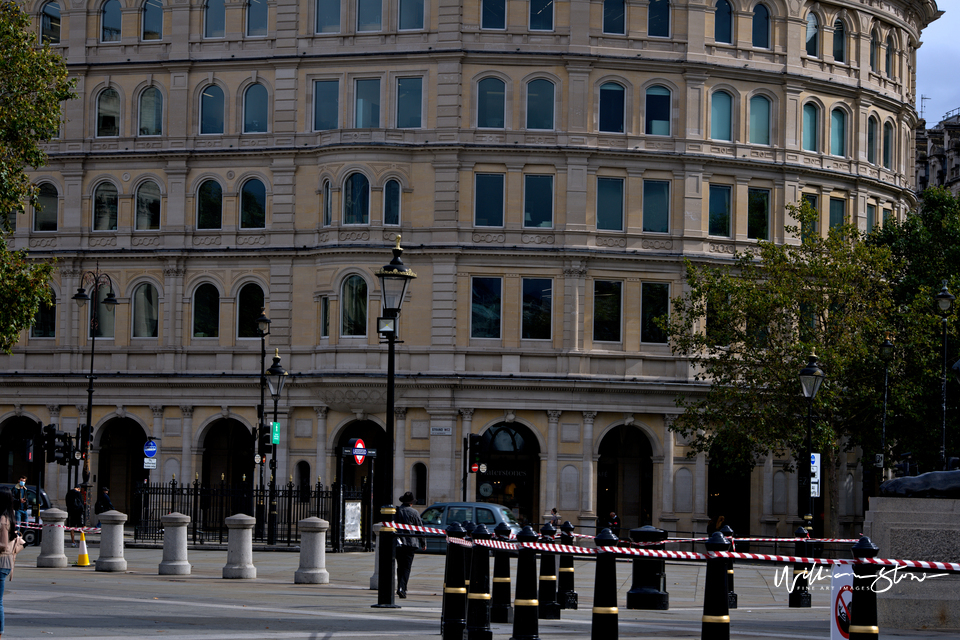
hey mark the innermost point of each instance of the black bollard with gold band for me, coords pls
(468, 527)
(799, 596)
(649, 590)
(454, 620)
(501, 609)
(606, 616)
(549, 608)
(478, 596)
(387, 560)
(526, 626)
(731, 594)
(716, 610)
(566, 594)
(863, 604)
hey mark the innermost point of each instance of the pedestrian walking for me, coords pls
(613, 523)
(103, 503)
(10, 542)
(554, 517)
(407, 545)
(74, 512)
(20, 502)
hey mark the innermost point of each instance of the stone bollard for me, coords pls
(111, 542)
(51, 546)
(501, 609)
(387, 556)
(375, 578)
(731, 594)
(313, 550)
(240, 547)
(649, 589)
(174, 561)
(453, 622)
(799, 597)
(478, 597)
(526, 625)
(606, 616)
(549, 608)
(715, 623)
(863, 605)
(566, 593)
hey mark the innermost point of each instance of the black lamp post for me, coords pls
(944, 302)
(276, 376)
(263, 329)
(886, 354)
(811, 377)
(394, 278)
(95, 280)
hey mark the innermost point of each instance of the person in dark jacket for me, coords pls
(406, 545)
(613, 523)
(103, 502)
(74, 512)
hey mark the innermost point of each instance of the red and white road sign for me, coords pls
(359, 451)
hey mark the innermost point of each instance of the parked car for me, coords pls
(31, 536)
(443, 514)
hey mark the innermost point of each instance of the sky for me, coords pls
(937, 62)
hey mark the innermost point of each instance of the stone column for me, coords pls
(174, 561)
(111, 542)
(466, 428)
(313, 559)
(51, 547)
(157, 410)
(444, 479)
(399, 461)
(553, 444)
(240, 547)
(667, 483)
(186, 452)
(322, 443)
(588, 470)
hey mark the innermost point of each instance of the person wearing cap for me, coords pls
(406, 545)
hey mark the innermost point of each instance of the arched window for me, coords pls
(721, 116)
(723, 22)
(811, 133)
(146, 311)
(47, 208)
(759, 120)
(108, 114)
(209, 205)
(45, 322)
(391, 203)
(148, 207)
(356, 199)
(327, 203)
(839, 42)
(257, 18)
(110, 21)
(888, 57)
(658, 108)
(214, 19)
(206, 312)
(249, 307)
(613, 17)
(887, 145)
(838, 133)
(761, 27)
(211, 109)
(658, 18)
(105, 315)
(255, 109)
(50, 23)
(491, 101)
(105, 204)
(612, 107)
(813, 35)
(419, 483)
(151, 112)
(151, 20)
(872, 131)
(353, 314)
(875, 52)
(540, 104)
(253, 205)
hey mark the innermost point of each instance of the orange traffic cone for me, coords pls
(83, 560)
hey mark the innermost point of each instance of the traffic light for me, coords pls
(63, 448)
(475, 440)
(30, 451)
(49, 435)
(264, 446)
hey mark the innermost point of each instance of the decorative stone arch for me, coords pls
(201, 431)
(203, 177)
(333, 435)
(102, 179)
(253, 174)
(97, 91)
(191, 286)
(143, 178)
(137, 93)
(198, 90)
(509, 89)
(248, 278)
(541, 441)
(354, 167)
(629, 99)
(558, 89)
(119, 414)
(144, 278)
(736, 110)
(241, 95)
(656, 446)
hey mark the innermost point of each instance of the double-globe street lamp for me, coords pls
(944, 302)
(263, 330)
(276, 376)
(811, 377)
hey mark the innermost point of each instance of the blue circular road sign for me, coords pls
(150, 448)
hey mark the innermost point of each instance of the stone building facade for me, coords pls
(549, 163)
(938, 154)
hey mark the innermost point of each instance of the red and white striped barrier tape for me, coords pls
(850, 540)
(60, 526)
(418, 529)
(460, 541)
(886, 562)
(651, 553)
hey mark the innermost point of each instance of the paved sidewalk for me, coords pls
(81, 603)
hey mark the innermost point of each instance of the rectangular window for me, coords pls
(368, 15)
(328, 16)
(411, 14)
(485, 308)
(758, 214)
(610, 204)
(871, 217)
(607, 304)
(326, 105)
(537, 308)
(838, 210)
(324, 317)
(809, 230)
(541, 15)
(493, 14)
(719, 210)
(613, 21)
(409, 102)
(887, 216)
(488, 200)
(538, 201)
(656, 206)
(654, 304)
(368, 104)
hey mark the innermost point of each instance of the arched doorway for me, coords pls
(120, 463)
(625, 478)
(728, 492)
(13, 450)
(227, 455)
(354, 475)
(512, 455)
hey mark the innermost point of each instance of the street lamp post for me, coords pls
(96, 280)
(886, 354)
(394, 278)
(276, 376)
(944, 302)
(263, 329)
(811, 377)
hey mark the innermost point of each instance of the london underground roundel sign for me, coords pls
(359, 451)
